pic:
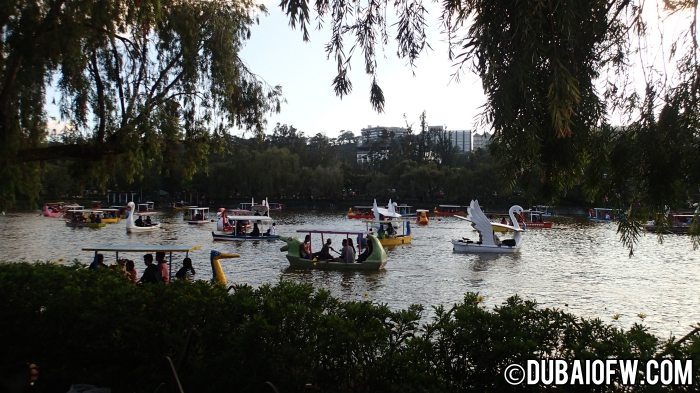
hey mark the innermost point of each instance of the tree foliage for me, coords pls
(86, 326)
(135, 78)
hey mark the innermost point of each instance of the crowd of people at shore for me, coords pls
(155, 272)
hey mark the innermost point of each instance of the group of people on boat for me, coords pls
(141, 222)
(347, 253)
(241, 229)
(155, 272)
(390, 231)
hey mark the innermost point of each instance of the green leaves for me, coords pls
(75, 322)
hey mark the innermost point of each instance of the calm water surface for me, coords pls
(578, 267)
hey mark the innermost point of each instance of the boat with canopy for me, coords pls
(488, 241)
(198, 215)
(144, 221)
(372, 255)
(237, 228)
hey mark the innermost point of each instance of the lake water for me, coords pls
(578, 267)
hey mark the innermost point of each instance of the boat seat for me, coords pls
(508, 242)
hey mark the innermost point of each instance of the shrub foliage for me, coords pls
(85, 326)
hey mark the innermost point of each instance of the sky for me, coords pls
(278, 55)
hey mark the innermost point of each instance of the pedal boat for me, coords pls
(375, 261)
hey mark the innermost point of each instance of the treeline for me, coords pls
(288, 165)
(95, 327)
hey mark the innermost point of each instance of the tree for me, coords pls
(116, 65)
(540, 63)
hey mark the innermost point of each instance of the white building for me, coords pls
(481, 141)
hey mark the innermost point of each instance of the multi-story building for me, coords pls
(371, 134)
(481, 141)
(461, 139)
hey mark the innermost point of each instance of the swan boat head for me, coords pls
(218, 275)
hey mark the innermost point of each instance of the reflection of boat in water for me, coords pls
(488, 240)
(678, 223)
(448, 210)
(422, 216)
(603, 214)
(374, 252)
(238, 225)
(140, 224)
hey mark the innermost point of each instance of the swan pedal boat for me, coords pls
(375, 261)
(131, 226)
(489, 241)
(397, 239)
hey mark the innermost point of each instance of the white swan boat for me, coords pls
(132, 224)
(488, 240)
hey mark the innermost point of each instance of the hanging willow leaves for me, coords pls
(117, 67)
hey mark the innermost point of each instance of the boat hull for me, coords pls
(93, 225)
(460, 246)
(114, 220)
(198, 222)
(396, 241)
(361, 216)
(136, 229)
(230, 237)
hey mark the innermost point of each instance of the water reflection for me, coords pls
(576, 266)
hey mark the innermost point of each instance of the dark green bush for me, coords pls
(95, 327)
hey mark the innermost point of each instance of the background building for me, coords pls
(481, 141)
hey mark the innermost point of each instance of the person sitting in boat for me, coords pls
(148, 222)
(380, 233)
(186, 272)
(151, 274)
(325, 254)
(390, 231)
(349, 252)
(98, 262)
(130, 270)
(366, 253)
(256, 230)
(306, 248)
(92, 217)
(139, 222)
(199, 217)
(271, 231)
(504, 221)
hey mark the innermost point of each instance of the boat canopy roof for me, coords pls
(605, 209)
(84, 211)
(422, 210)
(387, 213)
(326, 231)
(139, 248)
(450, 206)
(108, 210)
(149, 213)
(250, 218)
(362, 207)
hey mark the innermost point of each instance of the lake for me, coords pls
(578, 267)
